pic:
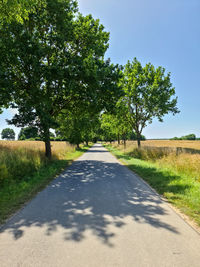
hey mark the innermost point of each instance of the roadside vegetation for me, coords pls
(24, 170)
(174, 175)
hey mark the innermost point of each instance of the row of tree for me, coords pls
(186, 137)
(53, 70)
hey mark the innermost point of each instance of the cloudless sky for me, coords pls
(165, 33)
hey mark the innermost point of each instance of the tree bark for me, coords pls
(47, 141)
(124, 139)
(138, 140)
(118, 139)
(48, 149)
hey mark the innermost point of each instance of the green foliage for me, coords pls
(185, 137)
(56, 62)
(28, 132)
(148, 94)
(18, 10)
(8, 134)
(78, 126)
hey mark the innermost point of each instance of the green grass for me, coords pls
(15, 194)
(180, 189)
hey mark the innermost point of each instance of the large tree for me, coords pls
(55, 62)
(8, 134)
(148, 94)
(28, 132)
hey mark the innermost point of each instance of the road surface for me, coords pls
(98, 214)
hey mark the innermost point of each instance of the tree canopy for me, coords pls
(8, 134)
(56, 62)
(28, 132)
(53, 70)
(148, 94)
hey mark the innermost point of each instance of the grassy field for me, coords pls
(175, 176)
(24, 170)
(167, 143)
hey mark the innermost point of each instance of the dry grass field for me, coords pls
(59, 149)
(19, 159)
(168, 143)
(168, 153)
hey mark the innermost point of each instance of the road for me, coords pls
(98, 214)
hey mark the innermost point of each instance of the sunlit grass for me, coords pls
(175, 176)
(194, 144)
(19, 159)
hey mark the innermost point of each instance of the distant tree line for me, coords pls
(186, 137)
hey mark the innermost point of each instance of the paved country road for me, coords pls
(98, 214)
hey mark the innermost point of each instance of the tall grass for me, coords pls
(176, 159)
(20, 159)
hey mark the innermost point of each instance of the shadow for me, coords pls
(158, 179)
(90, 195)
(97, 151)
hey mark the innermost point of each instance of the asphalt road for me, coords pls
(98, 214)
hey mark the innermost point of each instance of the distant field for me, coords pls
(168, 143)
(59, 149)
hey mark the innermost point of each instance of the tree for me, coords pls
(55, 63)
(18, 10)
(78, 125)
(185, 137)
(148, 94)
(8, 134)
(28, 132)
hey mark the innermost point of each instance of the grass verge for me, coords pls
(181, 190)
(14, 195)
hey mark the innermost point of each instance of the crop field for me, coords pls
(168, 143)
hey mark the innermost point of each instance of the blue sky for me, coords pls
(165, 33)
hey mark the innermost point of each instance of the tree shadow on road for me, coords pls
(90, 195)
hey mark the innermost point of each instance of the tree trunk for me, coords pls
(77, 146)
(118, 139)
(124, 138)
(48, 148)
(47, 143)
(138, 140)
(86, 143)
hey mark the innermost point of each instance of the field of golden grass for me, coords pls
(59, 149)
(168, 153)
(19, 159)
(168, 143)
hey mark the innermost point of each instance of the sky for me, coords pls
(165, 33)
